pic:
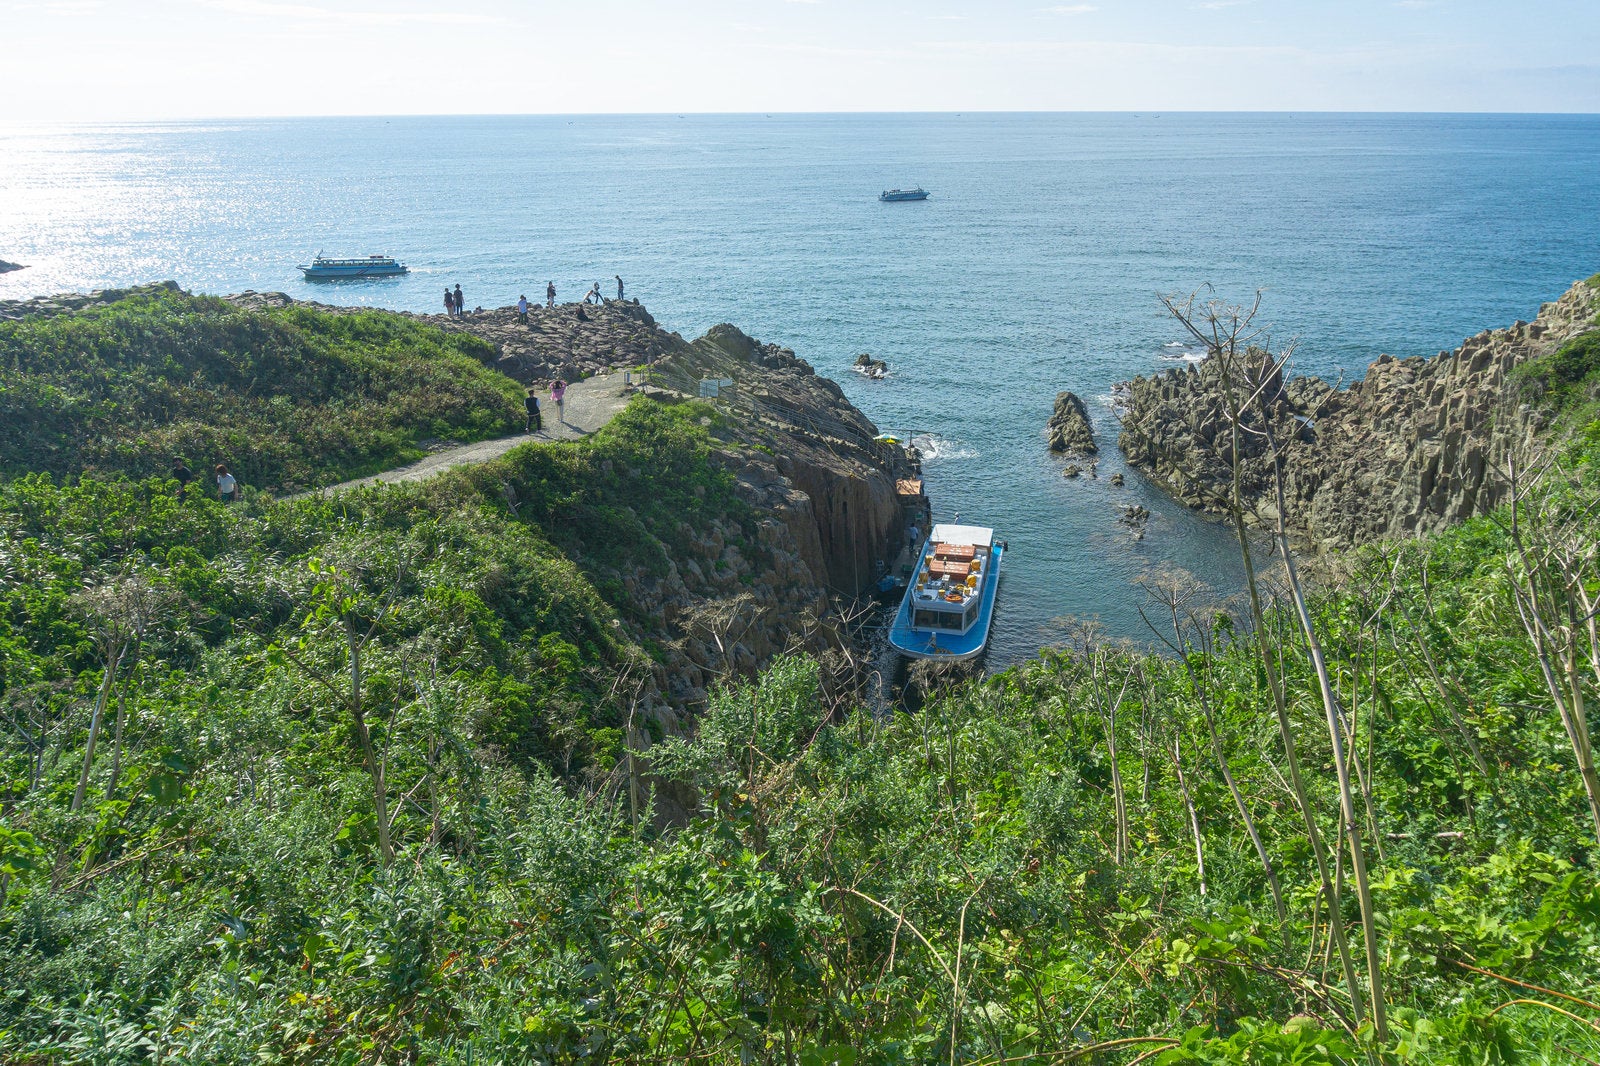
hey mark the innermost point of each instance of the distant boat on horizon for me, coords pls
(372, 266)
(891, 196)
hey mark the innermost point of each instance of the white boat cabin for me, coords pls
(948, 588)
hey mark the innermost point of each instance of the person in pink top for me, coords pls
(558, 393)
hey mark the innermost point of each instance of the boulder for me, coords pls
(1068, 430)
(6, 267)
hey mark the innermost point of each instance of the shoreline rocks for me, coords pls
(1416, 445)
(6, 268)
(1068, 431)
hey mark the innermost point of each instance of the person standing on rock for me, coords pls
(461, 303)
(558, 395)
(449, 302)
(619, 287)
(549, 294)
(593, 295)
(522, 309)
(530, 403)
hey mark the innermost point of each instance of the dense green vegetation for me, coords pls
(288, 398)
(353, 781)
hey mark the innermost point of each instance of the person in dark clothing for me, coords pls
(530, 403)
(182, 475)
(619, 287)
(549, 294)
(449, 302)
(461, 303)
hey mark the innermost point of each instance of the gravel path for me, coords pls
(589, 404)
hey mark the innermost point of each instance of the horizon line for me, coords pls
(1137, 112)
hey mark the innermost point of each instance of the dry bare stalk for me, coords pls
(1228, 330)
(121, 613)
(1188, 802)
(1098, 660)
(1552, 631)
(1330, 705)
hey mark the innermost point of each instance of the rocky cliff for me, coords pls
(1415, 445)
(822, 496)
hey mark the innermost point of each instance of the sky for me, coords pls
(137, 60)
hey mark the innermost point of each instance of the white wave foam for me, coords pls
(933, 446)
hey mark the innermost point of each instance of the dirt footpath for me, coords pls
(589, 404)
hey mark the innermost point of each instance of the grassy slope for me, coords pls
(225, 900)
(287, 398)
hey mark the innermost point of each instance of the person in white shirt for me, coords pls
(522, 309)
(227, 484)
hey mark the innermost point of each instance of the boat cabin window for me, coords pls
(972, 614)
(936, 620)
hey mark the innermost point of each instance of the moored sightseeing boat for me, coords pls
(949, 602)
(371, 266)
(892, 196)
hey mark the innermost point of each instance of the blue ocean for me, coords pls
(1034, 266)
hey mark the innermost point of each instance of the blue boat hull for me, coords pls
(334, 274)
(943, 645)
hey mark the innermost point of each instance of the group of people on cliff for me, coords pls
(592, 296)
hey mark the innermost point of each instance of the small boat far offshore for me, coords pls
(949, 601)
(372, 266)
(892, 196)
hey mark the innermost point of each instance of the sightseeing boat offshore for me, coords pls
(372, 266)
(894, 196)
(950, 599)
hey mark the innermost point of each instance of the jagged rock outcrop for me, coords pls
(1415, 445)
(565, 341)
(872, 368)
(6, 268)
(1068, 430)
(811, 450)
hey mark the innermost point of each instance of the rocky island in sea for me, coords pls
(565, 755)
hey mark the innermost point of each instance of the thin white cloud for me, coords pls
(55, 7)
(312, 13)
(1069, 9)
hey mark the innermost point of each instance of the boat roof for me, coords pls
(947, 533)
